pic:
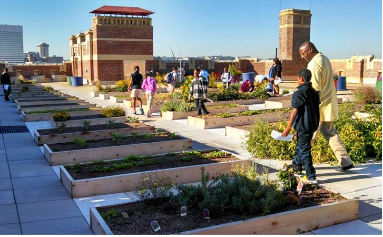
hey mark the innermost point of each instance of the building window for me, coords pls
(36, 72)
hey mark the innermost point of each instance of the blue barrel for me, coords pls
(76, 81)
(248, 76)
(342, 84)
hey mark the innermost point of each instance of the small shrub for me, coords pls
(234, 87)
(133, 119)
(285, 92)
(80, 142)
(122, 85)
(367, 95)
(111, 123)
(151, 186)
(61, 115)
(172, 135)
(86, 125)
(98, 86)
(287, 179)
(115, 111)
(61, 127)
(148, 136)
(116, 137)
(224, 115)
(48, 88)
(110, 214)
(178, 106)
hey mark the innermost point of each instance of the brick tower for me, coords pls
(117, 35)
(294, 29)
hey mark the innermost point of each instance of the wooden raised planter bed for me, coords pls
(53, 97)
(172, 115)
(119, 98)
(112, 152)
(52, 102)
(128, 181)
(93, 121)
(48, 116)
(94, 93)
(277, 104)
(101, 133)
(106, 96)
(236, 132)
(205, 123)
(284, 223)
(41, 104)
(58, 107)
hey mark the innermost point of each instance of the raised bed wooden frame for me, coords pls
(58, 107)
(236, 133)
(48, 116)
(172, 115)
(52, 102)
(94, 121)
(284, 223)
(128, 182)
(113, 152)
(88, 135)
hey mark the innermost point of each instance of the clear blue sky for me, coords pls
(339, 28)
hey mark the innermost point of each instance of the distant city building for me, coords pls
(55, 59)
(43, 50)
(32, 57)
(11, 44)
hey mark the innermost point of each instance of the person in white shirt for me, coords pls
(226, 77)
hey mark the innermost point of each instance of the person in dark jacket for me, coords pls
(305, 119)
(274, 73)
(6, 82)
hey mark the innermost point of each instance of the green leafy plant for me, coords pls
(285, 91)
(151, 186)
(190, 155)
(132, 119)
(122, 85)
(80, 142)
(224, 115)
(233, 71)
(48, 88)
(111, 123)
(172, 135)
(61, 115)
(134, 134)
(86, 125)
(110, 214)
(61, 127)
(178, 106)
(115, 111)
(216, 154)
(287, 179)
(116, 137)
(148, 136)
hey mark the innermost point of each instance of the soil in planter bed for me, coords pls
(170, 221)
(45, 105)
(93, 116)
(172, 160)
(243, 127)
(92, 128)
(158, 137)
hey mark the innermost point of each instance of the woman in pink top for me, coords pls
(150, 87)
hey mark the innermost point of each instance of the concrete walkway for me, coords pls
(364, 182)
(32, 199)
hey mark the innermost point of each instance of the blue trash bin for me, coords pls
(76, 81)
(341, 84)
(248, 75)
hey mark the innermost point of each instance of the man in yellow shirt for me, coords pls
(322, 81)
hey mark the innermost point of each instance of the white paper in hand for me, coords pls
(6, 87)
(278, 136)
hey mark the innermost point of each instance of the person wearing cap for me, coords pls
(135, 87)
(150, 87)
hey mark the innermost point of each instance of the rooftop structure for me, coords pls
(132, 11)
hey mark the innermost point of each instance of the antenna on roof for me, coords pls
(172, 52)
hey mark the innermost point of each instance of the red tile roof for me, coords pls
(122, 11)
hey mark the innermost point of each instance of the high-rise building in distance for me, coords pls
(11, 44)
(43, 50)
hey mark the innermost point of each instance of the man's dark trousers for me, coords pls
(303, 152)
(199, 104)
(7, 92)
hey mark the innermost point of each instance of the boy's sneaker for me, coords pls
(134, 113)
(142, 111)
(311, 180)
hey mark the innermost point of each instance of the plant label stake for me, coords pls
(300, 187)
(206, 214)
(184, 210)
(125, 215)
(155, 226)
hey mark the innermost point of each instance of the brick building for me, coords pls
(119, 38)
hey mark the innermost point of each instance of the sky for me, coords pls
(339, 28)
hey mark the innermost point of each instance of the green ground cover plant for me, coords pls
(113, 111)
(361, 138)
(61, 115)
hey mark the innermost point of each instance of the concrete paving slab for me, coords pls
(35, 182)
(19, 141)
(367, 209)
(56, 169)
(32, 126)
(376, 218)
(5, 184)
(6, 197)
(85, 203)
(4, 173)
(24, 153)
(31, 172)
(2, 151)
(41, 194)
(200, 146)
(10, 229)
(16, 164)
(65, 226)
(356, 227)
(371, 170)
(48, 210)
(219, 131)
(41, 148)
(8, 214)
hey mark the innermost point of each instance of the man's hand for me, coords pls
(286, 132)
